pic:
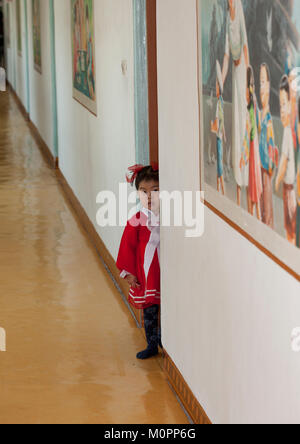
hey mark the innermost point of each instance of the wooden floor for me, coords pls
(71, 342)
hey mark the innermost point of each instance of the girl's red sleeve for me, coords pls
(128, 250)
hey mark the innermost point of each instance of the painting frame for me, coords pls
(261, 236)
(83, 54)
(36, 35)
(19, 28)
(8, 26)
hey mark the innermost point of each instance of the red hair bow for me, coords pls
(135, 170)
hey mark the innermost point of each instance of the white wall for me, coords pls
(40, 83)
(18, 74)
(228, 310)
(40, 89)
(94, 152)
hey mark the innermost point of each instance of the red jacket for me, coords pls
(139, 255)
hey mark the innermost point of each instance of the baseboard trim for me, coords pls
(185, 394)
(45, 150)
(18, 102)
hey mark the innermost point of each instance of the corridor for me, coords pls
(71, 341)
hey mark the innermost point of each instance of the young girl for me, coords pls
(251, 148)
(287, 167)
(139, 254)
(267, 148)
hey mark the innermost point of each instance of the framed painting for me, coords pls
(19, 27)
(36, 35)
(249, 51)
(8, 25)
(83, 53)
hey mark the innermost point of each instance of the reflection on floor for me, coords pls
(71, 342)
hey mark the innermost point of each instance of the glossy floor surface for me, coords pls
(71, 342)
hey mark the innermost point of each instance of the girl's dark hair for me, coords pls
(299, 112)
(146, 174)
(285, 86)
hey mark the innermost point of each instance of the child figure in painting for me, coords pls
(218, 127)
(287, 167)
(298, 184)
(268, 151)
(250, 152)
(90, 62)
(139, 254)
(294, 108)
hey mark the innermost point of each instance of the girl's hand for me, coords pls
(132, 281)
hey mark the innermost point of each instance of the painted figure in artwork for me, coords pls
(76, 39)
(90, 66)
(298, 184)
(36, 24)
(294, 109)
(267, 148)
(83, 38)
(218, 127)
(296, 141)
(237, 48)
(287, 167)
(83, 48)
(19, 27)
(250, 154)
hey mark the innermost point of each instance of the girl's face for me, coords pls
(285, 108)
(149, 195)
(264, 87)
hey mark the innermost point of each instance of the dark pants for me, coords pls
(152, 327)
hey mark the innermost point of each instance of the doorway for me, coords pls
(146, 105)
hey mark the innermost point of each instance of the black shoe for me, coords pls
(148, 353)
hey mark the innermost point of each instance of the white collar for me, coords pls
(155, 219)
